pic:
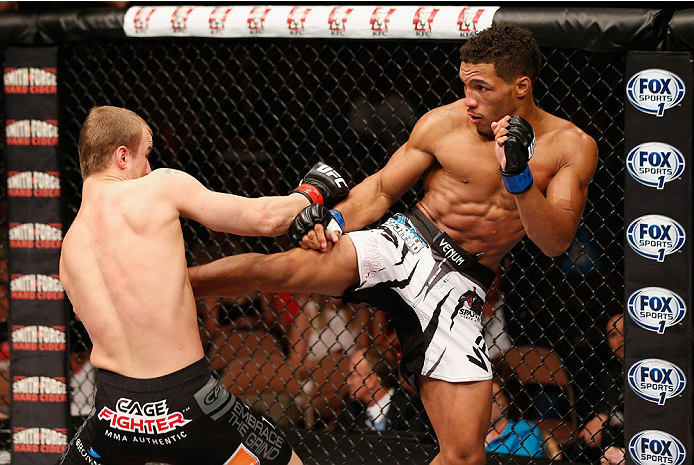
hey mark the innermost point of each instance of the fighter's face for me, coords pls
(488, 98)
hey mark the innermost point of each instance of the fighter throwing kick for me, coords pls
(430, 267)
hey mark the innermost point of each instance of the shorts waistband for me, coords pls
(460, 259)
(199, 369)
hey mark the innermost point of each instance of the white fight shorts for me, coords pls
(433, 292)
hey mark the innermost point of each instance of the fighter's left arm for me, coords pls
(551, 220)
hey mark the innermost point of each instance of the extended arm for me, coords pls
(262, 216)
(368, 201)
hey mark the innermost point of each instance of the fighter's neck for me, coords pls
(95, 184)
(530, 112)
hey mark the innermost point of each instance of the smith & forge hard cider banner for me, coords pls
(38, 359)
(658, 259)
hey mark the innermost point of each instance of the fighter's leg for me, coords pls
(460, 414)
(297, 270)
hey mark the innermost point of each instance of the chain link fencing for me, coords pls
(249, 117)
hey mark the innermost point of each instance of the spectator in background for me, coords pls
(605, 431)
(613, 456)
(321, 340)
(377, 329)
(332, 331)
(377, 402)
(508, 433)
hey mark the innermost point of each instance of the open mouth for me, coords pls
(474, 119)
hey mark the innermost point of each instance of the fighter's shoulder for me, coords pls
(167, 177)
(442, 119)
(166, 173)
(168, 183)
(573, 145)
(562, 133)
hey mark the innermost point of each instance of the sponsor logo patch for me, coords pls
(38, 337)
(656, 308)
(38, 389)
(656, 380)
(30, 80)
(654, 447)
(654, 164)
(655, 236)
(35, 440)
(654, 91)
(149, 418)
(33, 184)
(468, 20)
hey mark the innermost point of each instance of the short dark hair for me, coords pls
(511, 49)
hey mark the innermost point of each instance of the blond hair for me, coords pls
(105, 129)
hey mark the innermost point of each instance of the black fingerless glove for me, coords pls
(309, 217)
(323, 185)
(518, 149)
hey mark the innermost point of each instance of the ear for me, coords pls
(121, 157)
(523, 86)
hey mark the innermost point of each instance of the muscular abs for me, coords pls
(487, 227)
(465, 197)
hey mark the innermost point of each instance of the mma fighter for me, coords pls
(123, 268)
(430, 267)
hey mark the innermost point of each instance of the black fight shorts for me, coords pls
(185, 417)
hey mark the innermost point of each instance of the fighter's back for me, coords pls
(126, 250)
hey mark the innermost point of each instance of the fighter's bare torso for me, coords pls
(123, 267)
(465, 195)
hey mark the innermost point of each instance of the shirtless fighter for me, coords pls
(430, 267)
(123, 267)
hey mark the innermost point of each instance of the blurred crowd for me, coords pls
(310, 361)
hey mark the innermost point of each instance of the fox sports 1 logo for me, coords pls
(656, 308)
(655, 236)
(656, 380)
(654, 163)
(655, 90)
(654, 447)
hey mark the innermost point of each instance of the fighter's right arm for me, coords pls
(261, 216)
(369, 200)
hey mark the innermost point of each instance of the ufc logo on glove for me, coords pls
(330, 171)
